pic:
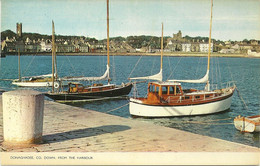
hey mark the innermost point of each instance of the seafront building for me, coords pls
(75, 44)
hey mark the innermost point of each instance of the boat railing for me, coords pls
(192, 98)
(213, 86)
(222, 85)
(230, 84)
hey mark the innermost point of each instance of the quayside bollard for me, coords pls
(22, 117)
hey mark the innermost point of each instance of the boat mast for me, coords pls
(209, 50)
(108, 61)
(53, 55)
(19, 66)
(162, 49)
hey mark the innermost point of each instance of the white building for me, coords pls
(226, 51)
(45, 47)
(28, 41)
(205, 47)
(186, 47)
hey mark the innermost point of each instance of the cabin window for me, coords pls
(151, 88)
(177, 89)
(154, 88)
(164, 89)
(171, 90)
(207, 96)
(197, 97)
(187, 97)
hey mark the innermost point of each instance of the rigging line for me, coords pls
(198, 66)
(101, 60)
(169, 63)
(213, 71)
(153, 66)
(196, 73)
(71, 64)
(230, 72)
(175, 68)
(114, 69)
(135, 66)
(60, 68)
(219, 73)
(118, 108)
(216, 70)
(28, 65)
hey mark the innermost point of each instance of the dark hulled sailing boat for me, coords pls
(77, 91)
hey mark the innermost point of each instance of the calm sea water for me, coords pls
(244, 71)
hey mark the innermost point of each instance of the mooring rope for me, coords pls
(207, 122)
(217, 120)
(117, 108)
(241, 98)
(198, 122)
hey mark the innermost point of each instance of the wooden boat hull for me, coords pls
(121, 90)
(137, 108)
(247, 124)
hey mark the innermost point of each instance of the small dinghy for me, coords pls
(247, 124)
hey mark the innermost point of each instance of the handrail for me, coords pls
(225, 84)
(193, 98)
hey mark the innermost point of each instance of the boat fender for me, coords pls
(56, 85)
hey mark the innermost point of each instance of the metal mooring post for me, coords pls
(22, 117)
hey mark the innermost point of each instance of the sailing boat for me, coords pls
(35, 81)
(41, 80)
(168, 99)
(77, 91)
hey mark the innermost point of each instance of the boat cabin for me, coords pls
(165, 88)
(158, 91)
(172, 92)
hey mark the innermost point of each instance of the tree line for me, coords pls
(133, 41)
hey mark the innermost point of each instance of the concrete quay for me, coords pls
(72, 129)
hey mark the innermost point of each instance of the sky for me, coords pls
(234, 20)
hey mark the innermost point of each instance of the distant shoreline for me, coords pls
(178, 54)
